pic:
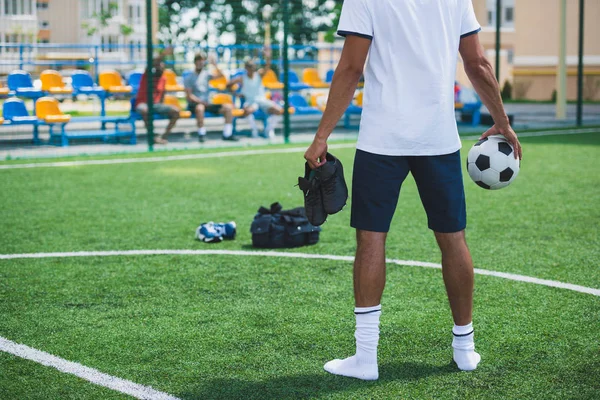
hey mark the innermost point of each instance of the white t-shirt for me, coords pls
(408, 105)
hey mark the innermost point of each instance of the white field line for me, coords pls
(240, 153)
(87, 373)
(505, 275)
(543, 133)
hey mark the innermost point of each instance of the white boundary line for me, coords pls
(505, 275)
(146, 392)
(244, 152)
(169, 158)
(89, 374)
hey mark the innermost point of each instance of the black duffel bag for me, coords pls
(276, 228)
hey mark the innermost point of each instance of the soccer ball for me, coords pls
(492, 164)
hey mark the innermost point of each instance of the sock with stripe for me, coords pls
(362, 365)
(463, 344)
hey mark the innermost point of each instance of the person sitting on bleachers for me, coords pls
(196, 93)
(158, 95)
(254, 94)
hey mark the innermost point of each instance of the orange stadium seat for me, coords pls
(52, 82)
(311, 77)
(271, 82)
(112, 82)
(171, 100)
(172, 85)
(47, 110)
(222, 98)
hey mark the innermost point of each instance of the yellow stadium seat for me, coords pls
(3, 90)
(222, 98)
(52, 83)
(271, 82)
(318, 100)
(218, 84)
(112, 82)
(172, 101)
(359, 99)
(311, 77)
(1, 120)
(172, 85)
(47, 110)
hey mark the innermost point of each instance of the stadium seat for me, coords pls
(329, 76)
(311, 77)
(270, 81)
(172, 85)
(301, 106)
(219, 84)
(20, 82)
(222, 98)
(48, 111)
(295, 83)
(171, 100)
(354, 108)
(134, 80)
(112, 82)
(52, 83)
(15, 113)
(4, 91)
(83, 83)
(1, 120)
(318, 100)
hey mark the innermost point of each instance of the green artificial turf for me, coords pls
(235, 327)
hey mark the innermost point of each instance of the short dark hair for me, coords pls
(199, 56)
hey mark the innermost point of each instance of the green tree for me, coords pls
(243, 19)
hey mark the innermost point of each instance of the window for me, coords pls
(42, 6)
(509, 14)
(44, 24)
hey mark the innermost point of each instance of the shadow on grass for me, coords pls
(307, 386)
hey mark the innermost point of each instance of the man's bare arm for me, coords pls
(345, 79)
(481, 74)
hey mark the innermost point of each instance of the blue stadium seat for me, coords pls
(301, 105)
(134, 80)
(83, 83)
(15, 113)
(20, 82)
(329, 76)
(294, 81)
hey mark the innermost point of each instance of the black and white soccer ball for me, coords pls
(492, 164)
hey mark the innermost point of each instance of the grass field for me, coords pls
(240, 327)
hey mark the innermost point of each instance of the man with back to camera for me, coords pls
(408, 124)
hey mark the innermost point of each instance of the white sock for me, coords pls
(463, 344)
(362, 365)
(253, 127)
(228, 130)
(271, 125)
(202, 131)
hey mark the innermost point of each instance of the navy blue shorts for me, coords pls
(376, 183)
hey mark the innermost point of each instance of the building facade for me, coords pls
(530, 39)
(529, 48)
(114, 31)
